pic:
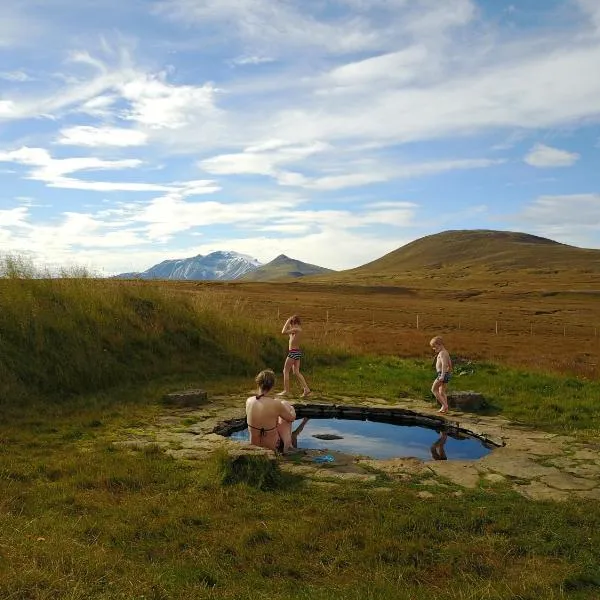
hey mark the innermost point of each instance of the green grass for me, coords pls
(549, 401)
(81, 518)
(62, 337)
(83, 361)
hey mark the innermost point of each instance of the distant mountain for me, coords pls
(214, 266)
(481, 257)
(284, 267)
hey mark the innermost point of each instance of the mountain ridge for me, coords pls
(458, 258)
(284, 267)
(221, 265)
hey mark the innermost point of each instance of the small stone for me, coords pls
(466, 400)
(186, 398)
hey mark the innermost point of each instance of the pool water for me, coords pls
(383, 440)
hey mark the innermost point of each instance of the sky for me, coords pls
(332, 131)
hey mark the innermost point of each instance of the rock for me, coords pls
(466, 400)
(327, 436)
(186, 398)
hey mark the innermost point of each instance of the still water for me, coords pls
(382, 440)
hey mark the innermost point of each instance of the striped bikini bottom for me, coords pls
(295, 354)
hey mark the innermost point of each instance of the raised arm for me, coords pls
(287, 328)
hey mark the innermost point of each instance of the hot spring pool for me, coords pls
(383, 440)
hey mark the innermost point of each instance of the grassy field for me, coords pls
(541, 331)
(83, 360)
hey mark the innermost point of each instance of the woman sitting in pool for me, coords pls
(269, 419)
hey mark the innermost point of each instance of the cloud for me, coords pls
(270, 158)
(251, 60)
(83, 135)
(15, 76)
(327, 237)
(581, 210)
(117, 88)
(156, 104)
(572, 218)
(272, 26)
(53, 172)
(543, 156)
(591, 8)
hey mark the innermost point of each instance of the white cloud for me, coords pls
(543, 156)
(101, 136)
(581, 210)
(277, 154)
(571, 219)
(53, 172)
(15, 76)
(7, 109)
(273, 26)
(156, 104)
(14, 217)
(399, 67)
(251, 60)
(592, 9)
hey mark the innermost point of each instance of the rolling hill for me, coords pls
(457, 259)
(284, 267)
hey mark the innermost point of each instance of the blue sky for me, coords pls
(333, 131)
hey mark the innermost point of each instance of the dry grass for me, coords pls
(552, 332)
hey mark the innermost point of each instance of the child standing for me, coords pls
(443, 366)
(293, 328)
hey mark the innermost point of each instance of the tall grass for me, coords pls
(61, 336)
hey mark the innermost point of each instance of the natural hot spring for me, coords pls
(376, 433)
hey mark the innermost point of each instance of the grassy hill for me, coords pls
(482, 258)
(284, 267)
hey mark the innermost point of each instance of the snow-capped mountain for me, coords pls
(216, 265)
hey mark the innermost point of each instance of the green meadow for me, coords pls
(82, 359)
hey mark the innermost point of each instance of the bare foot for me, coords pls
(306, 393)
(443, 410)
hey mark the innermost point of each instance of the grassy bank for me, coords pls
(60, 337)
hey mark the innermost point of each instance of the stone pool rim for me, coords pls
(382, 414)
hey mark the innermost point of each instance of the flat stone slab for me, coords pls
(564, 481)
(462, 473)
(536, 464)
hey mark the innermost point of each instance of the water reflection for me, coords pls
(381, 440)
(438, 451)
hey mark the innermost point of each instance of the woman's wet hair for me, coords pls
(295, 320)
(436, 341)
(265, 379)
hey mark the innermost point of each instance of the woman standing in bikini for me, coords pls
(293, 328)
(269, 419)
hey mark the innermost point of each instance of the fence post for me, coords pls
(417, 321)
(496, 327)
(565, 331)
(531, 329)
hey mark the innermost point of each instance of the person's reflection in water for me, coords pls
(438, 451)
(298, 431)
